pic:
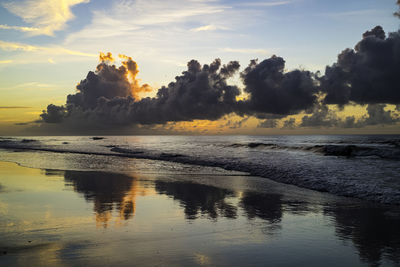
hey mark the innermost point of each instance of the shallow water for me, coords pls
(157, 213)
(361, 166)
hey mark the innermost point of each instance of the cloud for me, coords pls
(6, 61)
(36, 85)
(322, 116)
(19, 28)
(397, 13)
(378, 116)
(46, 16)
(209, 27)
(289, 123)
(108, 97)
(34, 53)
(265, 4)
(367, 74)
(268, 123)
(106, 57)
(237, 124)
(271, 90)
(111, 95)
(13, 107)
(54, 114)
(152, 12)
(156, 30)
(108, 82)
(23, 123)
(144, 18)
(54, 50)
(268, 120)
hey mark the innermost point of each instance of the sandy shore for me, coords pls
(154, 215)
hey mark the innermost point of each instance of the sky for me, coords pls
(48, 47)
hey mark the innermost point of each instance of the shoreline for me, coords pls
(263, 181)
(273, 173)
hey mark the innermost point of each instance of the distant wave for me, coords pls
(345, 150)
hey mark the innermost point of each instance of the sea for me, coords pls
(360, 166)
(295, 200)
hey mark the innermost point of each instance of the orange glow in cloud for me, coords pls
(130, 67)
(132, 71)
(107, 58)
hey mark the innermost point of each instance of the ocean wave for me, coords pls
(306, 176)
(345, 150)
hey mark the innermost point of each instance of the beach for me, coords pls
(199, 133)
(76, 210)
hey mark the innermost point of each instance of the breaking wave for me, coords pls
(346, 150)
(368, 171)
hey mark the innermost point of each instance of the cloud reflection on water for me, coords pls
(373, 230)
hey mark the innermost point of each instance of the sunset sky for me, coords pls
(48, 46)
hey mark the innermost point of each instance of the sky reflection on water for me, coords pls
(76, 217)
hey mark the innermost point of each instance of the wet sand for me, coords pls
(75, 218)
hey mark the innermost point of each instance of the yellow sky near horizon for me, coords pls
(229, 124)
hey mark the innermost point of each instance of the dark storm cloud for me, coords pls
(350, 122)
(320, 117)
(54, 114)
(397, 13)
(289, 123)
(323, 117)
(237, 124)
(271, 116)
(22, 123)
(271, 90)
(378, 116)
(199, 93)
(108, 82)
(106, 96)
(268, 123)
(367, 74)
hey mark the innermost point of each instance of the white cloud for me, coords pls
(152, 12)
(265, 4)
(142, 18)
(54, 50)
(6, 61)
(163, 35)
(154, 29)
(33, 85)
(45, 16)
(19, 28)
(209, 27)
